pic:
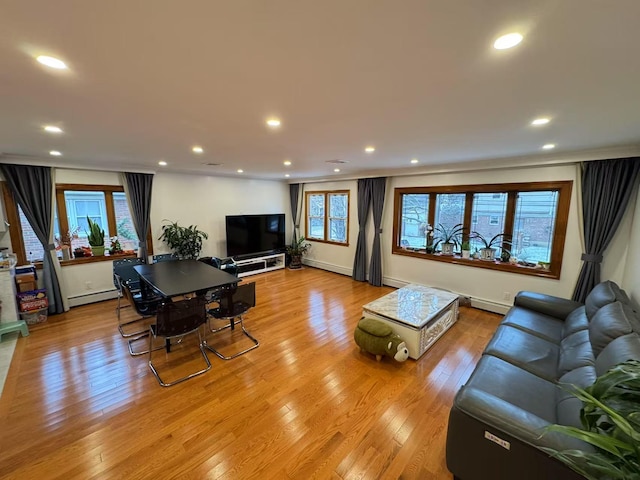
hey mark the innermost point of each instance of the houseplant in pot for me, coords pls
(449, 237)
(466, 249)
(296, 250)
(95, 237)
(488, 251)
(186, 242)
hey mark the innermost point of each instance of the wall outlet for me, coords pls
(506, 295)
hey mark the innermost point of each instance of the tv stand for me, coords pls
(261, 264)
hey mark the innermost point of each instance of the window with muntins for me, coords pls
(528, 221)
(328, 216)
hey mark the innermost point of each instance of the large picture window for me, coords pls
(529, 220)
(328, 217)
(105, 204)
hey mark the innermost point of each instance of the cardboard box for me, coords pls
(25, 278)
(27, 286)
(33, 300)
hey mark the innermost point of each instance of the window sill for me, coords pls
(477, 263)
(85, 260)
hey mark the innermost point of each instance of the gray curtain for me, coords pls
(364, 201)
(377, 188)
(294, 193)
(32, 187)
(138, 188)
(606, 190)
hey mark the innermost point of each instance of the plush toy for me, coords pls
(377, 338)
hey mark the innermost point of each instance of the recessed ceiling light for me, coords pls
(414, 160)
(52, 62)
(287, 162)
(162, 163)
(55, 153)
(541, 121)
(273, 122)
(336, 170)
(240, 170)
(287, 175)
(197, 149)
(52, 129)
(549, 146)
(507, 41)
(370, 149)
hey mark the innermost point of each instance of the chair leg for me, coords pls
(175, 382)
(132, 341)
(232, 323)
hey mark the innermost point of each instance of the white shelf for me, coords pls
(265, 263)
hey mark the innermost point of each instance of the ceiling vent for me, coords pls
(337, 161)
(210, 164)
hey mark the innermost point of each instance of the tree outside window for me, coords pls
(328, 217)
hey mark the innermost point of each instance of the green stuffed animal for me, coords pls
(377, 338)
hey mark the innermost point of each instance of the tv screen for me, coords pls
(249, 234)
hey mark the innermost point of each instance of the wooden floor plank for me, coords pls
(305, 404)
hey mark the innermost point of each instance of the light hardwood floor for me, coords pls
(305, 404)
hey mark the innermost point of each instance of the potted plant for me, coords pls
(466, 249)
(488, 252)
(186, 242)
(610, 422)
(449, 237)
(296, 250)
(95, 237)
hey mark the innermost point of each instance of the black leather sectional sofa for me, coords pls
(497, 420)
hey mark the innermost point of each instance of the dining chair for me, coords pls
(177, 320)
(165, 257)
(146, 306)
(233, 304)
(123, 272)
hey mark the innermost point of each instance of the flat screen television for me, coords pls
(252, 234)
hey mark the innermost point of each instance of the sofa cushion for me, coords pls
(610, 322)
(626, 347)
(603, 294)
(568, 406)
(575, 352)
(543, 326)
(524, 350)
(575, 321)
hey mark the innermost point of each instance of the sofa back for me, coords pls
(603, 294)
(614, 333)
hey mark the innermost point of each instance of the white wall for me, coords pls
(187, 199)
(488, 287)
(631, 278)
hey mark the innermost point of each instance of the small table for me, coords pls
(419, 314)
(171, 279)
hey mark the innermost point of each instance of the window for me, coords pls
(328, 217)
(105, 204)
(529, 218)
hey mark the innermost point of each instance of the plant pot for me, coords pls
(429, 249)
(466, 254)
(447, 248)
(97, 251)
(488, 254)
(296, 262)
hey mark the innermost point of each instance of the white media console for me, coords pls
(264, 263)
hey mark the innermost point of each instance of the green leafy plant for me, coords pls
(610, 421)
(95, 237)
(296, 250)
(492, 243)
(452, 234)
(465, 246)
(186, 242)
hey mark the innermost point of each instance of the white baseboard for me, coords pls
(328, 266)
(490, 306)
(92, 297)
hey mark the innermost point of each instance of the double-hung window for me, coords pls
(328, 216)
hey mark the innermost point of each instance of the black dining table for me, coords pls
(179, 277)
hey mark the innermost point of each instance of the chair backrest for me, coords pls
(213, 261)
(165, 257)
(179, 318)
(145, 306)
(123, 272)
(239, 300)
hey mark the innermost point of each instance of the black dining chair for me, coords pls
(124, 273)
(233, 304)
(146, 305)
(165, 257)
(225, 264)
(175, 320)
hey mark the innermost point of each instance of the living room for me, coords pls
(440, 112)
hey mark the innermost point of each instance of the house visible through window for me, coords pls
(328, 216)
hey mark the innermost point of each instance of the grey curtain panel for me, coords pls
(32, 188)
(377, 189)
(606, 189)
(138, 187)
(364, 201)
(294, 193)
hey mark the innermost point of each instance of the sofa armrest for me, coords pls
(546, 304)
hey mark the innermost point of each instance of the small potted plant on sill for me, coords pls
(95, 237)
(466, 249)
(296, 251)
(449, 237)
(488, 252)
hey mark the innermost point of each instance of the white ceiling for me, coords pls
(149, 79)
